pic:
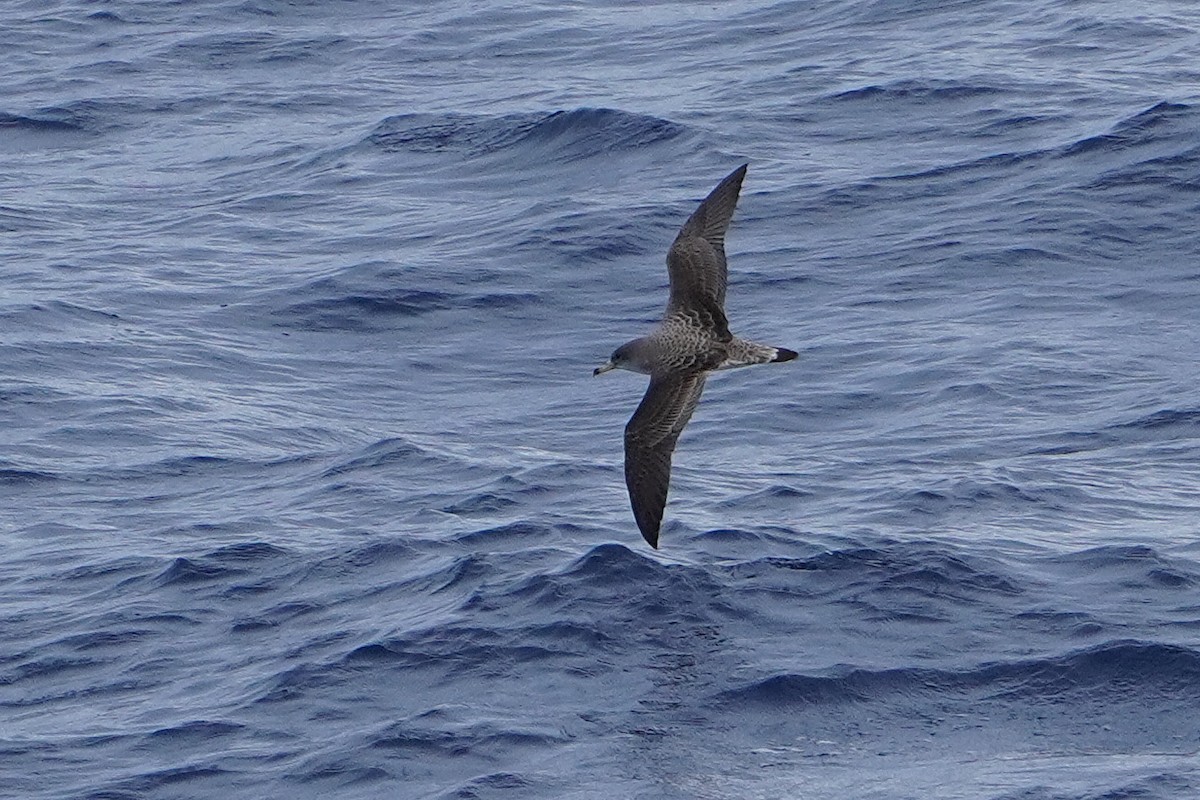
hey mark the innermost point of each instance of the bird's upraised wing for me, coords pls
(696, 261)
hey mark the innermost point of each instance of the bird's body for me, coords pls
(692, 340)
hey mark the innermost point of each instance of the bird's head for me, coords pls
(630, 356)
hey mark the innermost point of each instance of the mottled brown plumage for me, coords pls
(692, 340)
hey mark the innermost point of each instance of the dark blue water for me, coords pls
(306, 489)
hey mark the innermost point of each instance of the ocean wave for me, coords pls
(388, 451)
(244, 49)
(354, 301)
(1133, 566)
(588, 237)
(429, 732)
(1153, 124)
(48, 129)
(106, 17)
(92, 116)
(196, 731)
(1155, 150)
(378, 554)
(1161, 135)
(1120, 669)
(566, 136)
(506, 625)
(462, 650)
(54, 121)
(1173, 421)
(976, 494)
(14, 219)
(184, 571)
(16, 476)
(219, 565)
(382, 311)
(772, 496)
(1168, 424)
(910, 577)
(909, 89)
(484, 504)
(159, 780)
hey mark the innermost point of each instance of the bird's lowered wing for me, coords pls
(650, 440)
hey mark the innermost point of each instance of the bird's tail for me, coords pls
(741, 353)
(783, 354)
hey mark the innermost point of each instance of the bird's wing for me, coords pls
(696, 261)
(650, 440)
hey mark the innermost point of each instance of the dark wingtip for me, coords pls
(737, 176)
(783, 354)
(651, 538)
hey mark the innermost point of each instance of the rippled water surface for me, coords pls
(308, 490)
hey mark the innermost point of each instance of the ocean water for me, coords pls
(307, 491)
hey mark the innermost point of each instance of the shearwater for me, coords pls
(692, 340)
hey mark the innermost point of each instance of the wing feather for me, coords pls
(696, 261)
(650, 439)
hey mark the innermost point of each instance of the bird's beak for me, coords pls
(605, 367)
